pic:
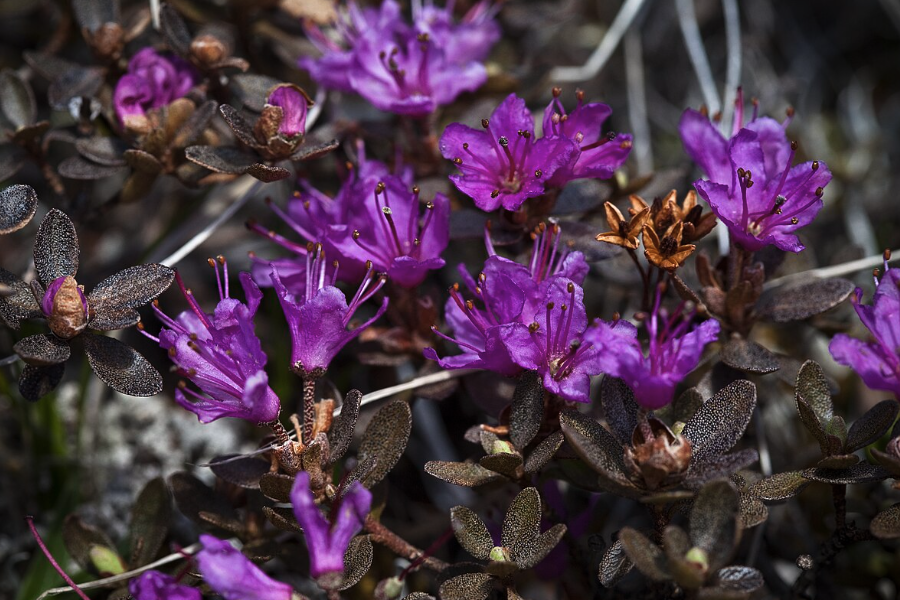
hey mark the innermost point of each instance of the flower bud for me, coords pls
(293, 102)
(208, 49)
(65, 307)
(500, 554)
(502, 447)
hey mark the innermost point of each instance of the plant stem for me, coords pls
(46, 551)
(839, 496)
(398, 545)
(309, 407)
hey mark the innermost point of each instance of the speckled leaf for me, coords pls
(836, 429)
(419, 596)
(593, 444)
(12, 158)
(536, 550)
(469, 586)
(886, 524)
(838, 461)
(242, 471)
(813, 425)
(174, 30)
(131, 287)
(312, 150)
(721, 421)
(720, 467)
(508, 465)
(686, 405)
(276, 486)
(241, 127)
(111, 320)
(858, 473)
(75, 167)
(91, 14)
(18, 303)
(17, 206)
(465, 474)
(872, 425)
(143, 162)
(150, 518)
(471, 532)
(646, 556)
(201, 504)
(521, 525)
(16, 99)
(385, 439)
(221, 159)
(779, 487)
(888, 461)
(614, 565)
(55, 247)
(487, 439)
(103, 150)
(121, 367)
(812, 386)
(195, 125)
(267, 173)
(543, 452)
(751, 511)
(282, 518)
(744, 579)
(713, 521)
(750, 357)
(619, 407)
(527, 410)
(252, 89)
(357, 560)
(676, 545)
(79, 538)
(798, 302)
(42, 350)
(341, 434)
(37, 382)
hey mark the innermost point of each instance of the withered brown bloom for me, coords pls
(623, 233)
(666, 212)
(666, 252)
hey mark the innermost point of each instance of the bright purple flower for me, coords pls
(221, 355)
(318, 318)
(152, 81)
(326, 541)
(504, 164)
(552, 343)
(385, 227)
(877, 362)
(470, 39)
(294, 103)
(674, 352)
(153, 585)
(231, 574)
(598, 156)
(752, 186)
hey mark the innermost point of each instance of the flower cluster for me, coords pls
(505, 163)
(401, 68)
(752, 186)
(152, 81)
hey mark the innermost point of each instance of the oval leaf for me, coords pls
(721, 421)
(521, 526)
(798, 302)
(646, 556)
(614, 565)
(55, 247)
(471, 532)
(17, 206)
(42, 350)
(527, 411)
(593, 444)
(872, 425)
(464, 474)
(779, 487)
(121, 367)
(357, 560)
(131, 287)
(385, 439)
(150, 517)
(469, 586)
(242, 471)
(886, 524)
(750, 357)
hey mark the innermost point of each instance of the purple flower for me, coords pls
(326, 541)
(231, 574)
(504, 164)
(318, 318)
(152, 81)
(552, 343)
(470, 39)
(752, 186)
(598, 156)
(673, 353)
(293, 103)
(221, 354)
(153, 585)
(877, 362)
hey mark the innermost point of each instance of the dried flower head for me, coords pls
(621, 232)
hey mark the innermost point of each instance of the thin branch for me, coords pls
(637, 101)
(9, 360)
(733, 68)
(607, 46)
(870, 262)
(154, 13)
(121, 577)
(687, 20)
(73, 587)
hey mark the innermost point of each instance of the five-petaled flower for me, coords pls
(878, 361)
(70, 313)
(221, 355)
(752, 186)
(327, 538)
(231, 574)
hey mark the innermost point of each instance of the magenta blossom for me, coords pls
(318, 318)
(471, 39)
(221, 355)
(294, 104)
(504, 164)
(327, 539)
(878, 361)
(674, 352)
(231, 574)
(752, 186)
(153, 585)
(598, 156)
(152, 81)
(552, 344)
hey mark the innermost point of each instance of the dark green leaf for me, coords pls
(18, 302)
(469, 586)
(150, 517)
(241, 127)
(242, 471)
(886, 524)
(195, 125)
(143, 162)
(812, 424)
(282, 518)
(121, 367)
(42, 350)
(16, 100)
(536, 550)
(888, 461)
(872, 425)
(465, 474)
(221, 159)
(838, 461)
(17, 206)
(341, 434)
(277, 486)
(509, 465)
(750, 357)
(779, 487)
(527, 411)
(471, 532)
(593, 444)
(91, 14)
(713, 521)
(385, 439)
(720, 467)
(721, 421)
(252, 89)
(131, 287)
(744, 579)
(614, 565)
(812, 386)
(619, 407)
(804, 300)
(543, 452)
(267, 173)
(858, 473)
(686, 405)
(521, 526)
(310, 151)
(55, 247)
(75, 167)
(357, 560)
(174, 30)
(646, 556)
(79, 538)
(103, 150)
(37, 382)
(676, 545)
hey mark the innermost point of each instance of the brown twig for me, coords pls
(382, 535)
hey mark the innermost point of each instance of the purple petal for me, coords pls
(231, 574)
(293, 104)
(153, 585)
(706, 146)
